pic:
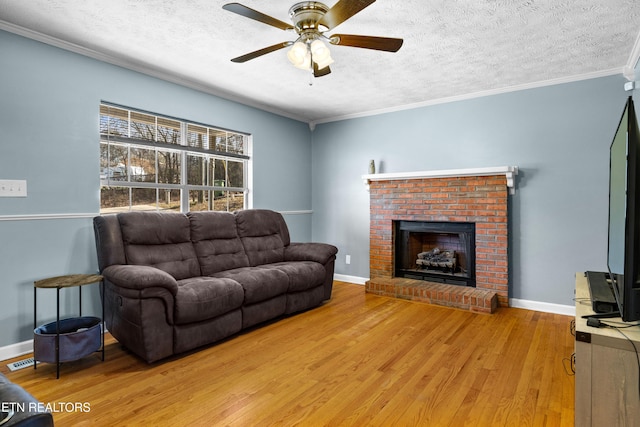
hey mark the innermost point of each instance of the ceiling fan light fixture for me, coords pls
(299, 55)
(321, 54)
(310, 21)
(306, 63)
(319, 50)
(323, 63)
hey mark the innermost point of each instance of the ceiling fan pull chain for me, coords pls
(312, 72)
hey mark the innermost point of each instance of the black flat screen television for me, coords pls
(623, 251)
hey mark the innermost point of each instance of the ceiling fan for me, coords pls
(311, 19)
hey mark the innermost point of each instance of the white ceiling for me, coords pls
(453, 49)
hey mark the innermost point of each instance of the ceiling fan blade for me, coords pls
(260, 52)
(342, 11)
(367, 42)
(319, 72)
(247, 12)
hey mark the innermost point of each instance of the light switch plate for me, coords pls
(13, 188)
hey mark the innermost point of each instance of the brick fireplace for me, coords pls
(477, 196)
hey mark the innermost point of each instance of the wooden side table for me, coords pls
(58, 338)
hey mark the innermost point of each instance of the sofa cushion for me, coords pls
(110, 249)
(302, 275)
(192, 335)
(264, 235)
(161, 240)
(259, 283)
(318, 252)
(216, 241)
(202, 298)
(303, 300)
(252, 314)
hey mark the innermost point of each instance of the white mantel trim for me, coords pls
(508, 171)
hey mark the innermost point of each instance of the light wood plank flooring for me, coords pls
(358, 360)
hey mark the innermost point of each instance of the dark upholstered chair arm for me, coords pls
(140, 277)
(318, 252)
(23, 408)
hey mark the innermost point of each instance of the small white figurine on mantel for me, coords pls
(372, 167)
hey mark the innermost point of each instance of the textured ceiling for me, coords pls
(452, 48)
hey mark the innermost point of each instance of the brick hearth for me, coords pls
(464, 297)
(478, 199)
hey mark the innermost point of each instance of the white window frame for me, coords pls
(183, 149)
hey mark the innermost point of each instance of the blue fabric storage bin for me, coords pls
(79, 337)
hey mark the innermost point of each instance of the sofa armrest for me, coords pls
(140, 277)
(318, 252)
(21, 408)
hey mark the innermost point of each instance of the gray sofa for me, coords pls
(175, 282)
(19, 408)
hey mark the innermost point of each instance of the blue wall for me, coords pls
(49, 136)
(558, 136)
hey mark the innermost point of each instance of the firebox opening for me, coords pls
(435, 251)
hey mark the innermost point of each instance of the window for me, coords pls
(151, 162)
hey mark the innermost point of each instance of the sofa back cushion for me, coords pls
(216, 241)
(160, 240)
(264, 234)
(109, 245)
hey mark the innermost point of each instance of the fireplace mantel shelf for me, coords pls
(509, 171)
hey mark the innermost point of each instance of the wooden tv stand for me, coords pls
(607, 382)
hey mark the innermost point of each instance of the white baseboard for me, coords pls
(350, 279)
(547, 307)
(15, 350)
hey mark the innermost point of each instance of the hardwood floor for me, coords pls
(359, 360)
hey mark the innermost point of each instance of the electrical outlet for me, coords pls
(347, 259)
(13, 188)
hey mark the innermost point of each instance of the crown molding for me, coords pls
(140, 68)
(627, 70)
(463, 97)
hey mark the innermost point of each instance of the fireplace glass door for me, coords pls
(435, 251)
